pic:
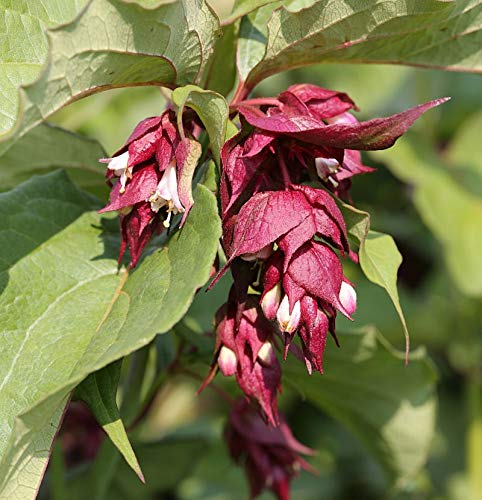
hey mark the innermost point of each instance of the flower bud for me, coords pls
(271, 302)
(288, 321)
(266, 354)
(227, 361)
(348, 297)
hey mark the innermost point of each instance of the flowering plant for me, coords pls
(227, 221)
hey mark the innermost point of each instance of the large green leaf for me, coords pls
(67, 311)
(24, 46)
(117, 44)
(430, 33)
(367, 387)
(47, 147)
(448, 206)
(99, 391)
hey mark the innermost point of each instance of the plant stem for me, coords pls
(284, 170)
(474, 438)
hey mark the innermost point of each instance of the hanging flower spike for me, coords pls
(244, 349)
(155, 169)
(270, 455)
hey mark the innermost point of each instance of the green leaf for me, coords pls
(450, 207)
(117, 44)
(66, 306)
(429, 33)
(224, 56)
(24, 47)
(47, 147)
(211, 108)
(99, 391)
(243, 7)
(357, 222)
(380, 260)
(252, 39)
(389, 406)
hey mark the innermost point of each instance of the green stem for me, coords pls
(474, 439)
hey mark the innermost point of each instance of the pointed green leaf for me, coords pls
(99, 391)
(65, 305)
(357, 222)
(389, 406)
(380, 260)
(211, 108)
(47, 147)
(117, 44)
(430, 33)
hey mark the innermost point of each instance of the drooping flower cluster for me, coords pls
(280, 172)
(283, 234)
(270, 455)
(154, 170)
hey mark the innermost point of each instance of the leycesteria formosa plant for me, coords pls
(282, 176)
(223, 191)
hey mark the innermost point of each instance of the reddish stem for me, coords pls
(284, 170)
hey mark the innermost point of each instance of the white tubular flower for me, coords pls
(166, 194)
(288, 321)
(326, 167)
(119, 164)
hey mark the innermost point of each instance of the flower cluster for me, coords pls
(270, 455)
(154, 170)
(283, 234)
(280, 172)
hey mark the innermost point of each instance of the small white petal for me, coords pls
(266, 353)
(118, 163)
(326, 167)
(227, 361)
(271, 301)
(288, 321)
(348, 297)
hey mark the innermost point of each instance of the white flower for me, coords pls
(227, 361)
(119, 164)
(166, 194)
(288, 321)
(348, 297)
(266, 353)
